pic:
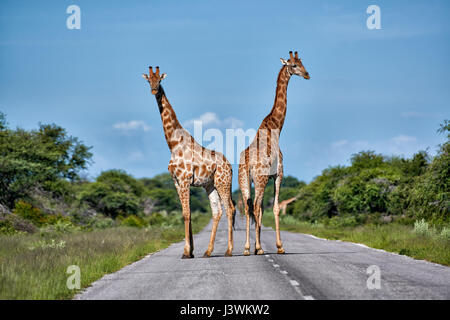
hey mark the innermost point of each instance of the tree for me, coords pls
(37, 158)
(113, 193)
(430, 194)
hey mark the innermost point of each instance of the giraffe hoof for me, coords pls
(228, 254)
(187, 256)
(207, 254)
(246, 252)
(280, 251)
(259, 252)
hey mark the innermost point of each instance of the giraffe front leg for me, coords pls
(258, 216)
(258, 219)
(276, 213)
(183, 194)
(228, 204)
(247, 231)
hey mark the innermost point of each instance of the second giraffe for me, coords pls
(263, 158)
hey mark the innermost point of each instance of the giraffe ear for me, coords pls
(144, 76)
(284, 62)
(163, 75)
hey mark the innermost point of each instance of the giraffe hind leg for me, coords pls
(260, 185)
(216, 209)
(223, 185)
(244, 185)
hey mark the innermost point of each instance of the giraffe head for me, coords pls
(295, 66)
(154, 79)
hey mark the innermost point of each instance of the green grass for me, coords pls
(431, 246)
(34, 266)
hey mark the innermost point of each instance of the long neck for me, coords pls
(168, 117)
(275, 119)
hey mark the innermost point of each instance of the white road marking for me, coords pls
(375, 249)
(284, 272)
(276, 265)
(270, 260)
(294, 283)
(308, 297)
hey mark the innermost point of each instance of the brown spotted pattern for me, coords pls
(193, 165)
(263, 158)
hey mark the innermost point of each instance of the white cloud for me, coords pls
(401, 139)
(136, 156)
(403, 145)
(132, 125)
(339, 144)
(233, 123)
(209, 119)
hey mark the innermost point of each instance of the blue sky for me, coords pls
(384, 90)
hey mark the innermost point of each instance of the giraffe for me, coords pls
(193, 165)
(263, 159)
(283, 204)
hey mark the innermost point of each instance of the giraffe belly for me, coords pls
(264, 168)
(200, 181)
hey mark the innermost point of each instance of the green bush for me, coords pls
(59, 227)
(345, 221)
(133, 221)
(422, 228)
(12, 224)
(430, 195)
(114, 193)
(155, 218)
(36, 216)
(6, 227)
(101, 222)
(374, 185)
(445, 233)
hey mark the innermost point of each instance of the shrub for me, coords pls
(6, 227)
(59, 227)
(133, 221)
(288, 219)
(101, 222)
(36, 216)
(422, 228)
(12, 223)
(445, 233)
(155, 218)
(345, 221)
(28, 212)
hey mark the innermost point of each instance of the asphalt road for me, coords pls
(312, 268)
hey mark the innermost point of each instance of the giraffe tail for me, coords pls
(233, 207)
(251, 212)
